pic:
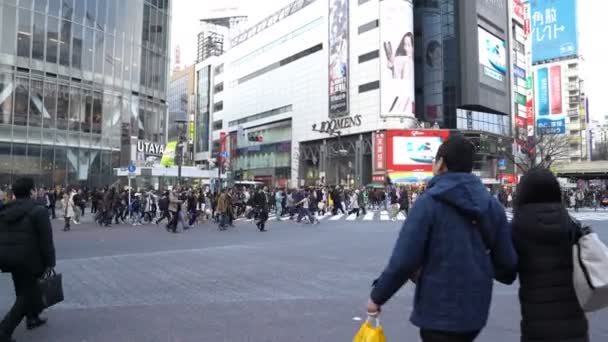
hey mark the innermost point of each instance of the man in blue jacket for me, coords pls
(454, 241)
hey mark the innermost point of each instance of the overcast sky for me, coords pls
(592, 41)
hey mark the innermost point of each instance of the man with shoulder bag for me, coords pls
(27, 252)
(455, 242)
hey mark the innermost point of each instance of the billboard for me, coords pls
(410, 154)
(338, 58)
(554, 29)
(397, 58)
(432, 54)
(492, 55)
(550, 117)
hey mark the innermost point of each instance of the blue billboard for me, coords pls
(554, 29)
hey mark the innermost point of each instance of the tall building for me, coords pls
(560, 101)
(82, 87)
(352, 91)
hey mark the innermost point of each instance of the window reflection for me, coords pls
(9, 21)
(64, 43)
(38, 41)
(24, 35)
(52, 40)
(63, 102)
(36, 104)
(77, 47)
(21, 101)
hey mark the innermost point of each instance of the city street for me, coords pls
(296, 282)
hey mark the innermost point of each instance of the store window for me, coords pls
(24, 35)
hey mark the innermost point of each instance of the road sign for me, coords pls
(502, 164)
(132, 168)
(225, 154)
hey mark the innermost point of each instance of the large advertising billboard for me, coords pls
(397, 58)
(432, 43)
(338, 58)
(411, 152)
(550, 116)
(554, 29)
(492, 55)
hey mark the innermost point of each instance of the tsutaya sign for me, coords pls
(150, 148)
(333, 125)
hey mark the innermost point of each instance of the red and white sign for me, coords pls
(378, 178)
(518, 9)
(379, 151)
(556, 89)
(520, 121)
(413, 150)
(508, 178)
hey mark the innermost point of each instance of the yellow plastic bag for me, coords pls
(369, 333)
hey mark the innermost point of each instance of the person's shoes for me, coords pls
(33, 323)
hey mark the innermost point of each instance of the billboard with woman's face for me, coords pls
(338, 58)
(397, 58)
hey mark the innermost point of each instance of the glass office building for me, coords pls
(79, 80)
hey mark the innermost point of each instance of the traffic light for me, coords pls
(254, 137)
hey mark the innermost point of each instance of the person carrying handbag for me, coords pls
(442, 243)
(27, 259)
(542, 234)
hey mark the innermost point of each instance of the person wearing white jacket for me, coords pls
(68, 209)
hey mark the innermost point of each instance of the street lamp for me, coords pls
(180, 122)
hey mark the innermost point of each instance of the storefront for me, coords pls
(262, 153)
(346, 161)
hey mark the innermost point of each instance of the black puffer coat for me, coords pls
(549, 308)
(26, 238)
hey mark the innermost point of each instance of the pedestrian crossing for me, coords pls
(384, 216)
(368, 217)
(581, 216)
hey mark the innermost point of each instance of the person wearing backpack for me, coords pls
(454, 243)
(27, 252)
(542, 234)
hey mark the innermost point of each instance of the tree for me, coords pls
(541, 151)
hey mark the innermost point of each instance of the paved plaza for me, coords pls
(296, 282)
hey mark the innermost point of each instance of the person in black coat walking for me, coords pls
(542, 236)
(27, 252)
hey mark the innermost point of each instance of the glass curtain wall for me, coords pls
(71, 72)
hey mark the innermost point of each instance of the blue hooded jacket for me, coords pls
(454, 288)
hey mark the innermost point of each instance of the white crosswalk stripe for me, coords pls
(384, 216)
(351, 217)
(369, 216)
(400, 217)
(337, 217)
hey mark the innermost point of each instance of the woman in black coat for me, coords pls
(542, 237)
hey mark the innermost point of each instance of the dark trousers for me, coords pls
(174, 220)
(93, 207)
(165, 215)
(442, 336)
(28, 302)
(52, 209)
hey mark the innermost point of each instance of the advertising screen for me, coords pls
(492, 55)
(554, 29)
(338, 58)
(397, 58)
(550, 117)
(413, 150)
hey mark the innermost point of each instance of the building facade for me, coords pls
(339, 91)
(81, 83)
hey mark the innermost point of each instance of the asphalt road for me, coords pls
(294, 283)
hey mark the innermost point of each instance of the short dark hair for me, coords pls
(22, 188)
(457, 153)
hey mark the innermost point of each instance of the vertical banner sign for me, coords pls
(556, 89)
(338, 58)
(543, 91)
(550, 118)
(222, 143)
(518, 9)
(554, 29)
(432, 44)
(379, 151)
(397, 58)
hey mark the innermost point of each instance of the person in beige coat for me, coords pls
(68, 209)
